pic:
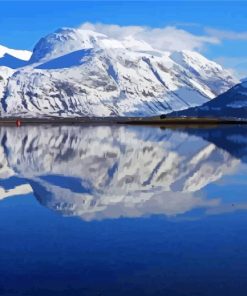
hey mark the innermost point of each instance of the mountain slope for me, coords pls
(232, 103)
(75, 72)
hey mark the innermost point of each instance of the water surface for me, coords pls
(123, 211)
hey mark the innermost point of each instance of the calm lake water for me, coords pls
(123, 211)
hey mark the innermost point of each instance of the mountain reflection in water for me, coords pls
(118, 171)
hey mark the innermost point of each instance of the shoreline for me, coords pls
(173, 121)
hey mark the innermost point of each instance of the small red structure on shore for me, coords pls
(18, 123)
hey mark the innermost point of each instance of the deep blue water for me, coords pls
(123, 211)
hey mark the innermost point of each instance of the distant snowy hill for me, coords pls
(232, 103)
(75, 72)
(13, 58)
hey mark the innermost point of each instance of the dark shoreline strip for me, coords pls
(128, 120)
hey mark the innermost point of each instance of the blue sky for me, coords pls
(23, 23)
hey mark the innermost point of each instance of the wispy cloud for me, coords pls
(225, 34)
(168, 38)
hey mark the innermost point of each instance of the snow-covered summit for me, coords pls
(67, 40)
(64, 41)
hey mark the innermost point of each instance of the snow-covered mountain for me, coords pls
(103, 172)
(75, 72)
(231, 104)
(13, 58)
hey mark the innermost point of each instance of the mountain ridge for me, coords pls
(231, 104)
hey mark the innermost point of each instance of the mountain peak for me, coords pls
(64, 41)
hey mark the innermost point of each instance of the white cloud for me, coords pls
(168, 38)
(226, 35)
